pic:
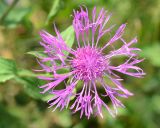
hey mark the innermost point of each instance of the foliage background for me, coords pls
(21, 105)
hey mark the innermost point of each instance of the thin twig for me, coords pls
(8, 10)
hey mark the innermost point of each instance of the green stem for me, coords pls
(8, 10)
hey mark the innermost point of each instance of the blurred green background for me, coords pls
(21, 105)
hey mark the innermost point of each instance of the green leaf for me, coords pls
(37, 54)
(10, 15)
(31, 86)
(54, 9)
(68, 36)
(7, 66)
(47, 97)
(5, 77)
(25, 73)
(16, 16)
(25, 77)
(8, 69)
(152, 54)
(30, 83)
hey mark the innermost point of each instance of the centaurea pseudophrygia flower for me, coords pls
(88, 64)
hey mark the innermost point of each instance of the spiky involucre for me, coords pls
(89, 64)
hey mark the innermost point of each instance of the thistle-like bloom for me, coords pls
(88, 65)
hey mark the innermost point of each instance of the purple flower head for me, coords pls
(88, 64)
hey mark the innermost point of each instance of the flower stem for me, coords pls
(8, 10)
